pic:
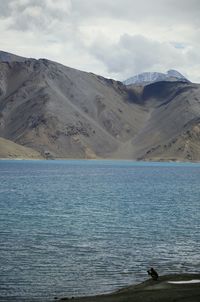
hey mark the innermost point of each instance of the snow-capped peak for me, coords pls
(150, 77)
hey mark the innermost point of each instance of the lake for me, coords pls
(78, 227)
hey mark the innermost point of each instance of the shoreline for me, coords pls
(161, 290)
(99, 160)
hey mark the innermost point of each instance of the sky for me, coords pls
(113, 38)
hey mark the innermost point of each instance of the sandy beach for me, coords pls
(169, 288)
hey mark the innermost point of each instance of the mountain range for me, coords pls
(48, 110)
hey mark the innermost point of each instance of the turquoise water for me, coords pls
(71, 228)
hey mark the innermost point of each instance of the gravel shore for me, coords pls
(153, 291)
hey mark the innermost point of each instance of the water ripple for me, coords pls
(72, 228)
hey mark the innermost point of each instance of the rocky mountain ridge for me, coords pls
(61, 112)
(9, 57)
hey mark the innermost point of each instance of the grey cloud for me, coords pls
(71, 27)
(4, 9)
(34, 14)
(157, 11)
(42, 14)
(135, 54)
(170, 11)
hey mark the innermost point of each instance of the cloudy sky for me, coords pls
(114, 38)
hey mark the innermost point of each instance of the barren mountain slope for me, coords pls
(9, 149)
(176, 110)
(66, 113)
(63, 112)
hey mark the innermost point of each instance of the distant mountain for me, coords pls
(151, 77)
(53, 111)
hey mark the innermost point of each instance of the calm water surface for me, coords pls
(71, 228)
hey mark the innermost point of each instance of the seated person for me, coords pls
(153, 273)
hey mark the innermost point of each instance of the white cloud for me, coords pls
(134, 54)
(113, 38)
